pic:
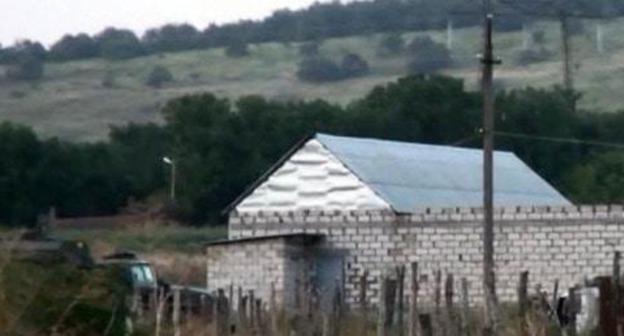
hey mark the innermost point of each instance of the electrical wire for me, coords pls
(559, 139)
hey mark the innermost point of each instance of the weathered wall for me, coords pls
(566, 243)
(254, 265)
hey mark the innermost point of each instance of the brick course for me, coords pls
(565, 243)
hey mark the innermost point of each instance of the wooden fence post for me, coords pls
(437, 323)
(617, 287)
(451, 327)
(465, 312)
(523, 301)
(382, 309)
(555, 296)
(414, 316)
(363, 292)
(399, 301)
(252, 310)
(571, 312)
(273, 310)
(608, 323)
(176, 312)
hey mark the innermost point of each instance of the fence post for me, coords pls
(451, 327)
(363, 302)
(617, 287)
(572, 311)
(465, 312)
(159, 306)
(555, 296)
(252, 310)
(437, 324)
(273, 310)
(363, 292)
(414, 322)
(176, 312)
(523, 301)
(607, 318)
(383, 309)
(400, 302)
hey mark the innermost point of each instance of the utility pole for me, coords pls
(490, 327)
(566, 52)
(172, 180)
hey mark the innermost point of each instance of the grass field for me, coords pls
(72, 103)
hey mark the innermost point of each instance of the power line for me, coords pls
(560, 140)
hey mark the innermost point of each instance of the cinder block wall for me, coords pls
(254, 265)
(564, 243)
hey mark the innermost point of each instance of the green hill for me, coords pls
(72, 102)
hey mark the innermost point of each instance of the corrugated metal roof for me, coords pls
(413, 176)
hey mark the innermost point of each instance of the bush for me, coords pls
(354, 66)
(391, 44)
(237, 49)
(319, 69)
(159, 76)
(310, 49)
(427, 56)
(25, 68)
(76, 47)
(539, 37)
(119, 44)
(109, 80)
(530, 56)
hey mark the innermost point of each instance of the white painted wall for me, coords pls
(312, 179)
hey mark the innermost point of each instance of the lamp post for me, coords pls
(172, 191)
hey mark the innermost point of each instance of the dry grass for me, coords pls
(71, 102)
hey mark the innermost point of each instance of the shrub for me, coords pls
(159, 76)
(354, 66)
(319, 69)
(25, 68)
(530, 56)
(119, 44)
(427, 56)
(391, 44)
(236, 49)
(74, 47)
(109, 80)
(539, 37)
(310, 49)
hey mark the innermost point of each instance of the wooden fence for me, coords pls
(397, 313)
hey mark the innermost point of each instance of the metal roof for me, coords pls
(302, 238)
(412, 176)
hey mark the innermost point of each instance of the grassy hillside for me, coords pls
(71, 101)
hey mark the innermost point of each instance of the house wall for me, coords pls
(289, 188)
(254, 265)
(566, 243)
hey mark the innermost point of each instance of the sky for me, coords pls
(48, 20)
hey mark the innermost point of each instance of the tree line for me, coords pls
(318, 22)
(221, 146)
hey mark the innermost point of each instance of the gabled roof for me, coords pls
(410, 176)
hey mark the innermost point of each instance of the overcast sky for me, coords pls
(48, 20)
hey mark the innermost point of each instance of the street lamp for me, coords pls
(171, 163)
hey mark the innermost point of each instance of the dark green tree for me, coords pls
(72, 47)
(158, 76)
(118, 44)
(427, 56)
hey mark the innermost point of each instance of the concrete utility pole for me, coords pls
(490, 327)
(566, 51)
(599, 38)
(449, 33)
(172, 185)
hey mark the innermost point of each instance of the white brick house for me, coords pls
(336, 206)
